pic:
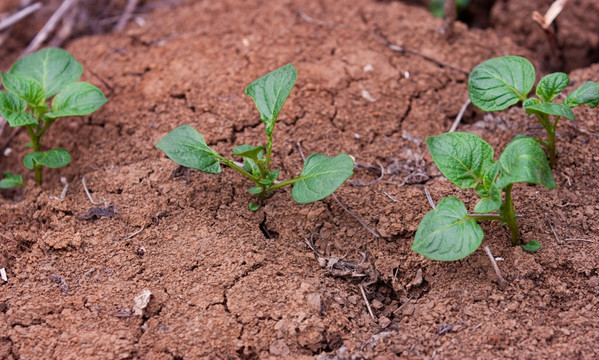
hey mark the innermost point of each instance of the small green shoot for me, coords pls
(499, 83)
(30, 83)
(11, 180)
(449, 232)
(320, 177)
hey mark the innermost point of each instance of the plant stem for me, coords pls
(509, 215)
(35, 141)
(284, 183)
(242, 171)
(268, 152)
(550, 143)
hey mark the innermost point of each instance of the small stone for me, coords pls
(376, 304)
(408, 310)
(314, 302)
(352, 299)
(279, 348)
(384, 321)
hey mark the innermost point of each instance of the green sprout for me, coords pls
(30, 83)
(449, 232)
(320, 177)
(499, 83)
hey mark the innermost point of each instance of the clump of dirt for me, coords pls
(228, 282)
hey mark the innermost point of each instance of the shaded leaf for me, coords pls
(187, 147)
(26, 88)
(585, 94)
(321, 176)
(53, 68)
(551, 109)
(532, 246)
(523, 160)
(11, 180)
(13, 110)
(447, 233)
(270, 92)
(54, 158)
(551, 85)
(498, 83)
(461, 157)
(76, 99)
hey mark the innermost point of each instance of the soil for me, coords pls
(230, 283)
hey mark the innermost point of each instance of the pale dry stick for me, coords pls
(20, 15)
(458, 118)
(126, 16)
(66, 29)
(553, 230)
(554, 10)
(579, 239)
(502, 281)
(49, 26)
(372, 231)
(390, 197)
(366, 300)
(429, 198)
(382, 40)
(133, 234)
(89, 196)
(360, 183)
(63, 180)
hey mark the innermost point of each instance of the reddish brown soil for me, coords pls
(221, 287)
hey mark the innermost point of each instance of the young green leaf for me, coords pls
(253, 207)
(321, 176)
(26, 88)
(551, 109)
(270, 92)
(498, 83)
(523, 160)
(447, 233)
(491, 194)
(13, 110)
(248, 151)
(11, 180)
(532, 246)
(54, 158)
(585, 94)
(256, 190)
(53, 68)
(461, 157)
(530, 102)
(551, 85)
(187, 147)
(76, 99)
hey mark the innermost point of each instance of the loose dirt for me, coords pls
(230, 283)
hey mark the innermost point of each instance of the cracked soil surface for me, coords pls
(230, 283)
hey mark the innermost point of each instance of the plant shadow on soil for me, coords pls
(221, 287)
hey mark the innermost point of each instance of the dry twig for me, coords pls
(458, 118)
(502, 281)
(20, 15)
(366, 300)
(126, 16)
(49, 26)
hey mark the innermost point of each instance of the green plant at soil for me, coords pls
(448, 232)
(320, 177)
(499, 83)
(437, 7)
(30, 83)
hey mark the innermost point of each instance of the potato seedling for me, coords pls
(499, 83)
(321, 175)
(30, 83)
(448, 232)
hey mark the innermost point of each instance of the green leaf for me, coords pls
(551, 85)
(461, 157)
(489, 203)
(532, 246)
(26, 88)
(53, 68)
(54, 158)
(256, 190)
(187, 147)
(551, 108)
(11, 180)
(270, 92)
(248, 151)
(253, 206)
(498, 83)
(530, 101)
(321, 176)
(13, 110)
(523, 160)
(586, 94)
(76, 99)
(447, 233)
